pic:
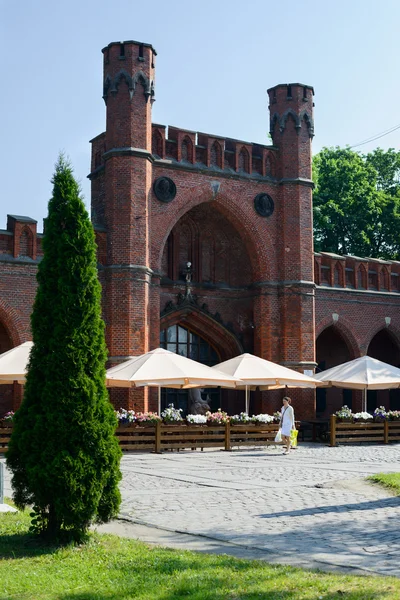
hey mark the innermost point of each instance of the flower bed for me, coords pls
(380, 415)
(147, 431)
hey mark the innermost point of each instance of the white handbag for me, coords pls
(278, 437)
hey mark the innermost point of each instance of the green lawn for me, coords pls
(112, 568)
(388, 480)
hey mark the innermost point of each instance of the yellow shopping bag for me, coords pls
(293, 438)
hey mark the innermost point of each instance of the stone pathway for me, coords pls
(311, 508)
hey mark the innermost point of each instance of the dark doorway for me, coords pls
(331, 350)
(6, 391)
(181, 340)
(384, 347)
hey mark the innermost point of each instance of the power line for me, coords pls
(376, 137)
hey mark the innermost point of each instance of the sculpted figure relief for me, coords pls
(198, 406)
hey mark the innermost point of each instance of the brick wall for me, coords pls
(252, 285)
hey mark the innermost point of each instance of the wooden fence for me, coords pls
(161, 437)
(342, 432)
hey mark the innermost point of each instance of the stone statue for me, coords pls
(198, 406)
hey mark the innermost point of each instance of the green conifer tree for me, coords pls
(63, 454)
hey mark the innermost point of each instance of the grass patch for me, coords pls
(113, 568)
(390, 481)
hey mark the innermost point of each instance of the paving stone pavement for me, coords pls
(310, 508)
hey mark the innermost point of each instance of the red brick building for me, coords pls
(205, 247)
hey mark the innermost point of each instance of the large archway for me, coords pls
(6, 391)
(206, 295)
(207, 239)
(331, 350)
(384, 347)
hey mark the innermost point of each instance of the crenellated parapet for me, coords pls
(355, 273)
(20, 241)
(211, 151)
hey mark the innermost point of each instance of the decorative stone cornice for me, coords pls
(111, 84)
(297, 118)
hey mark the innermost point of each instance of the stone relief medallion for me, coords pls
(164, 189)
(264, 205)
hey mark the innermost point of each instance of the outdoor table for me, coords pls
(319, 429)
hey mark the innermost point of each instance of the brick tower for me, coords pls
(292, 129)
(128, 94)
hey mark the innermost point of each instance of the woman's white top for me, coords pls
(287, 420)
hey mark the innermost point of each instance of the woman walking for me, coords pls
(287, 422)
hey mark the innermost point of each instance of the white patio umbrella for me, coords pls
(364, 373)
(162, 368)
(254, 371)
(14, 363)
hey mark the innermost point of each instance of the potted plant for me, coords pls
(241, 419)
(266, 419)
(125, 417)
(380, 414)
(172, 415)
(147, 418)
(217, 418)
(362, 417)
(344, 414)
(196, 419)
(394, 415)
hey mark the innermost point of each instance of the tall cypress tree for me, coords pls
(63, 453)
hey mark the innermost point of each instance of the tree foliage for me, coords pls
(357, 202)
(63, 453)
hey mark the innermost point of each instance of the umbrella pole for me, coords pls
(365, 399)
(159, 400)
(246, 408)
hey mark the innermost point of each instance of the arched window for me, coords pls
(361, 278)
(157, 143)
(185, 342)
(186, 150)
(244, 160)
(216, 155)
(337, 275)
(383, 280)
(24, 244)
(270, 165)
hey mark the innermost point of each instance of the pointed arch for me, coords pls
(362, 277)
(26, 243)
(344, 328)
(304, 116)
(106, 87)
(256, 239)
(384, 279)
(187, 149)
(205, 325)
(13, 324)
(122, 75)
(272, 123)
(216, 155)
(141, 78)
(391, 330)
(244, 160)
(157, 143)
(338, 275)
(270, 165)
(289, 113)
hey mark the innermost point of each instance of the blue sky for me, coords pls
(215, 61)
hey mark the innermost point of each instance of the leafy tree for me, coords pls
(357, 202)
(63, 453)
